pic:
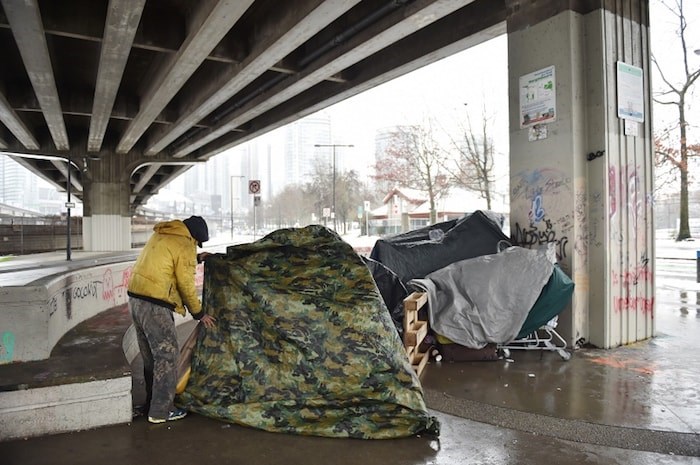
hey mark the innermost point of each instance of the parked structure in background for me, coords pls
(405, 209)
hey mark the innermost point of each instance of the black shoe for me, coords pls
(176, 414)
(139, 411)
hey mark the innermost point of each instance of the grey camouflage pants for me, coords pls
(155, 332)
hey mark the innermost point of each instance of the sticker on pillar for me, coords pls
(631, 128)
(538, 100)
(537, 132)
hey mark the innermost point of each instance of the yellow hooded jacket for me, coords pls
(164, 271)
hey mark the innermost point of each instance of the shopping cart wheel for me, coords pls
(566, 356)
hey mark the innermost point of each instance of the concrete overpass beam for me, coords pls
(28, 30)
(581, 178)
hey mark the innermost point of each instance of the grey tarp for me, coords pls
(485, 299)
(303, 343)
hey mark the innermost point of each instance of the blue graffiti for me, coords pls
(7, 349)
(536, 211)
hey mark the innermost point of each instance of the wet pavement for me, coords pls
(637, 404)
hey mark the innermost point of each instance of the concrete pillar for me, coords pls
(106, 213)
(581, 179)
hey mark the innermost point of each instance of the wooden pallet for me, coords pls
(415, 330)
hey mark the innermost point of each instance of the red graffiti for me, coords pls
(643, 304)
(107, 286)
(641, 274)
(111, 291)
(126, 276)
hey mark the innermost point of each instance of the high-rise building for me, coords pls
(18, 185)
(300, 151)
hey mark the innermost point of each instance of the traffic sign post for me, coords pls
(254, 190)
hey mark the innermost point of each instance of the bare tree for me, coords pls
(474, 164)
(414, 159)
(676, 93)
(350, 192)
(291, 207)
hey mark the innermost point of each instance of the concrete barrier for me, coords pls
(45, 393)
(34, 317)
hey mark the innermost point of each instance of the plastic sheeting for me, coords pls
(485, 299)
(391, 289)
(553, 299)
(303, 343)
(416, 253)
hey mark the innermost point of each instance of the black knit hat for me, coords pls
(198, 229)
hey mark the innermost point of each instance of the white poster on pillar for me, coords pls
(630, 92)
(538, 97)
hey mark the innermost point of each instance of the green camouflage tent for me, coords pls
(303, 343)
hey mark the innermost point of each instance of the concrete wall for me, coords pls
(68, 407)
(33, 318)
(36, 316)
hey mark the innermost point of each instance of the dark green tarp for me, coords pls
(555, 295)
(303, 343)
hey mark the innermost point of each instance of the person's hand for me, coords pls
(208, 321)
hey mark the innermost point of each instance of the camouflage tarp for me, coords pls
(303, 343)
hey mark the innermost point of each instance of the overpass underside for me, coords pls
(134, 92)
(113, 100)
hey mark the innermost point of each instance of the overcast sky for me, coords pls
(444, 90)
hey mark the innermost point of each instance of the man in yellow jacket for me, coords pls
(162, 282)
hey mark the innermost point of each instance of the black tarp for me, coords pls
(417, 253)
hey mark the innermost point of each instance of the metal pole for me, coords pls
(68, 215)
(335, 224)
(231, 189)
(367, 223)
(333, 146)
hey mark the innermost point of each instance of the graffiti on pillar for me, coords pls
(597, 215)
(626, 183)
(536, 213)
(629, 187)
(581, 215)
(545, 182)
(542, 193)
(633, 282)
(7, 347)
(533, 236)
(612, 190)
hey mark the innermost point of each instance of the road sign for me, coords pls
(254, 186)
(70, 204)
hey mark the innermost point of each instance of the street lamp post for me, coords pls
(333, 146)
